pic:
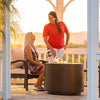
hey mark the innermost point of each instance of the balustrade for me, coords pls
(73, 53)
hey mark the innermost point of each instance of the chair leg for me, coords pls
(26, 84)
(26, 76)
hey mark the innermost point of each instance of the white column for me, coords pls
(92, 46)
(59, 9)
(1, 73)
(6, 59)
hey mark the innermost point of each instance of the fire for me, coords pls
(58, 60)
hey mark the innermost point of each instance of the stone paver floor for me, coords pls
(19, 93)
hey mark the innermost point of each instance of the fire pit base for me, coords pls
(64, 93)
(64, 78)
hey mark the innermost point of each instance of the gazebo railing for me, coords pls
(71, 55)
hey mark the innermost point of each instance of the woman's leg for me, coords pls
(40, 79)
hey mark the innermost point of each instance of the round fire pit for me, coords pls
(64, 78)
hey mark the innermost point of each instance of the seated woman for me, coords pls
(30, 54)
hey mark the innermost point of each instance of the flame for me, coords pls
(58, 60)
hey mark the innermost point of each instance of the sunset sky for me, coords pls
(34, 15)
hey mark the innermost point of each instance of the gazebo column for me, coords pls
(60, 8)
(93, 32)
(6, 58)
(1, 72)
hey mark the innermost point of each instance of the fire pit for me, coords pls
(64, 78)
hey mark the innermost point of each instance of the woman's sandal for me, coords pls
(39, 89)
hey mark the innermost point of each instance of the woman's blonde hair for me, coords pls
(27, 39)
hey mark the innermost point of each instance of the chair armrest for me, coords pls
(99, 66)
(15, 61)
(85, 70)
(43, 61)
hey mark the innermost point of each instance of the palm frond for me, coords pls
(14, 12)
(15, 29)
(1, 31)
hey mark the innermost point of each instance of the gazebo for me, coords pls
(93, 51)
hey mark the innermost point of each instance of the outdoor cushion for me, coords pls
(17, 54)
(18, 71)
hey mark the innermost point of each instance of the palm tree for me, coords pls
(1, 22)
(14, 25)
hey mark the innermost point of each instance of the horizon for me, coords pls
(35, 15)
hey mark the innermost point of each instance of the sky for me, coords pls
(34, 15)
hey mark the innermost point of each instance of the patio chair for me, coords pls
(17, 63)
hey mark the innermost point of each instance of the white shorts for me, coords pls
(59, 54)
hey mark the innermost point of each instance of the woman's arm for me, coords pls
(30, 58)
(67, 39)
(49, 46)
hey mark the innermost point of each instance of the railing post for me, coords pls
(44, 56)
(67, 58)
(84, 61)
(78, 58)
(85, 73)
(72, 58)
(39, 56)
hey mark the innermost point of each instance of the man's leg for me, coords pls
(60, 53)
